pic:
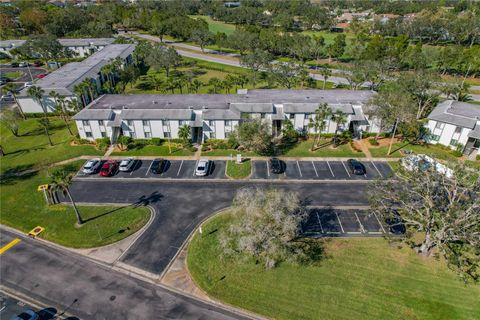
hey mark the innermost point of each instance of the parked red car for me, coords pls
(109, 168)
(43, 75)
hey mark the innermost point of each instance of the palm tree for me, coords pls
(184, 132)
(79, 91)
(196, 85)
(232, 79)
(63, 113)
(326, 73)
(242, 80)
(227, 85)
(318, 122)
(37, 94)
(171, 85)
(45, 124)
(155, 81)
(87, 84)
(10, 87)
(215, 83)
(340, 118)
(54, 95)
(61, 181)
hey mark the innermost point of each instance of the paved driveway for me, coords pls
(181, 206)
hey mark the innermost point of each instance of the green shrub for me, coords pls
(102, 143)
(373, 142)
(157, 141)
(478, 157)
(192, 148)
(457, 153)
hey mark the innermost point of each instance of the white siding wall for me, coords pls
(81, 131)
(174, 125)
(448, 133)
(157, 130)
(220, 129)
(138, 125)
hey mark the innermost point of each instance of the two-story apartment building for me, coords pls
(64, 79)
(78, 47)
(454, 123)
(216, 115)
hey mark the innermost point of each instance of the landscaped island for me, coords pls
(358, 278)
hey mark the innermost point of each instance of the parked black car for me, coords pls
(276, 165)
(14, 65)
(356, 167)
(158, 166)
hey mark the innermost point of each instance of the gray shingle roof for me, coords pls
(65, 78)
(475, 133)
(94, 114)
(457, 113)
(157, 114)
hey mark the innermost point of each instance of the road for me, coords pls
(231, 61)
(91, 291)
(181, 206)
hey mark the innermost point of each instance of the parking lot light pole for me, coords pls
(393, 137)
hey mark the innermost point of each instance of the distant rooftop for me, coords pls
(64, 79)
(9, 44)
(459, 113)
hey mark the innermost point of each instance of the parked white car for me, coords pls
(423, 162)
(28, 84)
(92, 166)
(126, 164)
(23, 64)
(202, 168)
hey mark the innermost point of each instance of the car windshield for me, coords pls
(89, 165)
(201, 168)
(124, 163)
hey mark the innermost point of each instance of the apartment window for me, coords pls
(86, 123)
(435, 137)
(183, 123)
(227, 134)
(129, 123)
(228, 123)
(103, 133)
(211, 123)
(146, 123)
(292, 116)
(458, 130)
(167, 135)
(213, 135)
(440, 125)
(100, 123)
(453, 142)
(262, 115)
(148, 135)
(88, 134)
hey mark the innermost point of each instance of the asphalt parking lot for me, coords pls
(329, 222)
(294, 170)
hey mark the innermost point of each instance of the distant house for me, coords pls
(231, 4)
(340, 27)
(79, 47)
(64, 79)
(454, 123)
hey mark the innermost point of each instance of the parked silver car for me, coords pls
(91, 166)
(203, 166)
(127, 164)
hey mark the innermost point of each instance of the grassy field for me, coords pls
(151, 150)
(432, 150)
(239, 171)
(302, 149)
(12, 74)
(31, 148)
(24, 208)
(227, 153)
(359, 278)
(216, 26)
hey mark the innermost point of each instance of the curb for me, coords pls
(230, 180)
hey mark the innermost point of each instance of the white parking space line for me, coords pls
(178, 172)
(330, 169)
(268, 169)
(196, 165)
(381, 225)
(361, 226)
(300, 171)
(340, 222)
(315, 169)
(148, 170)
(373, 163)
(318, 218)
(346, 170)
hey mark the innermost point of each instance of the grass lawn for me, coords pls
(239, 171)
(24, 208)
(302, 149)
(12, 74)
(227, 153)
(431, 150)
(31, 148)
(216, 26)
(330, 36)
(360, 278)
(151, 150)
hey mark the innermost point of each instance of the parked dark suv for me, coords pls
(158, 166)
(356, 167)
(276, 165)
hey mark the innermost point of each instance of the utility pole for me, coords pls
(393, 136)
